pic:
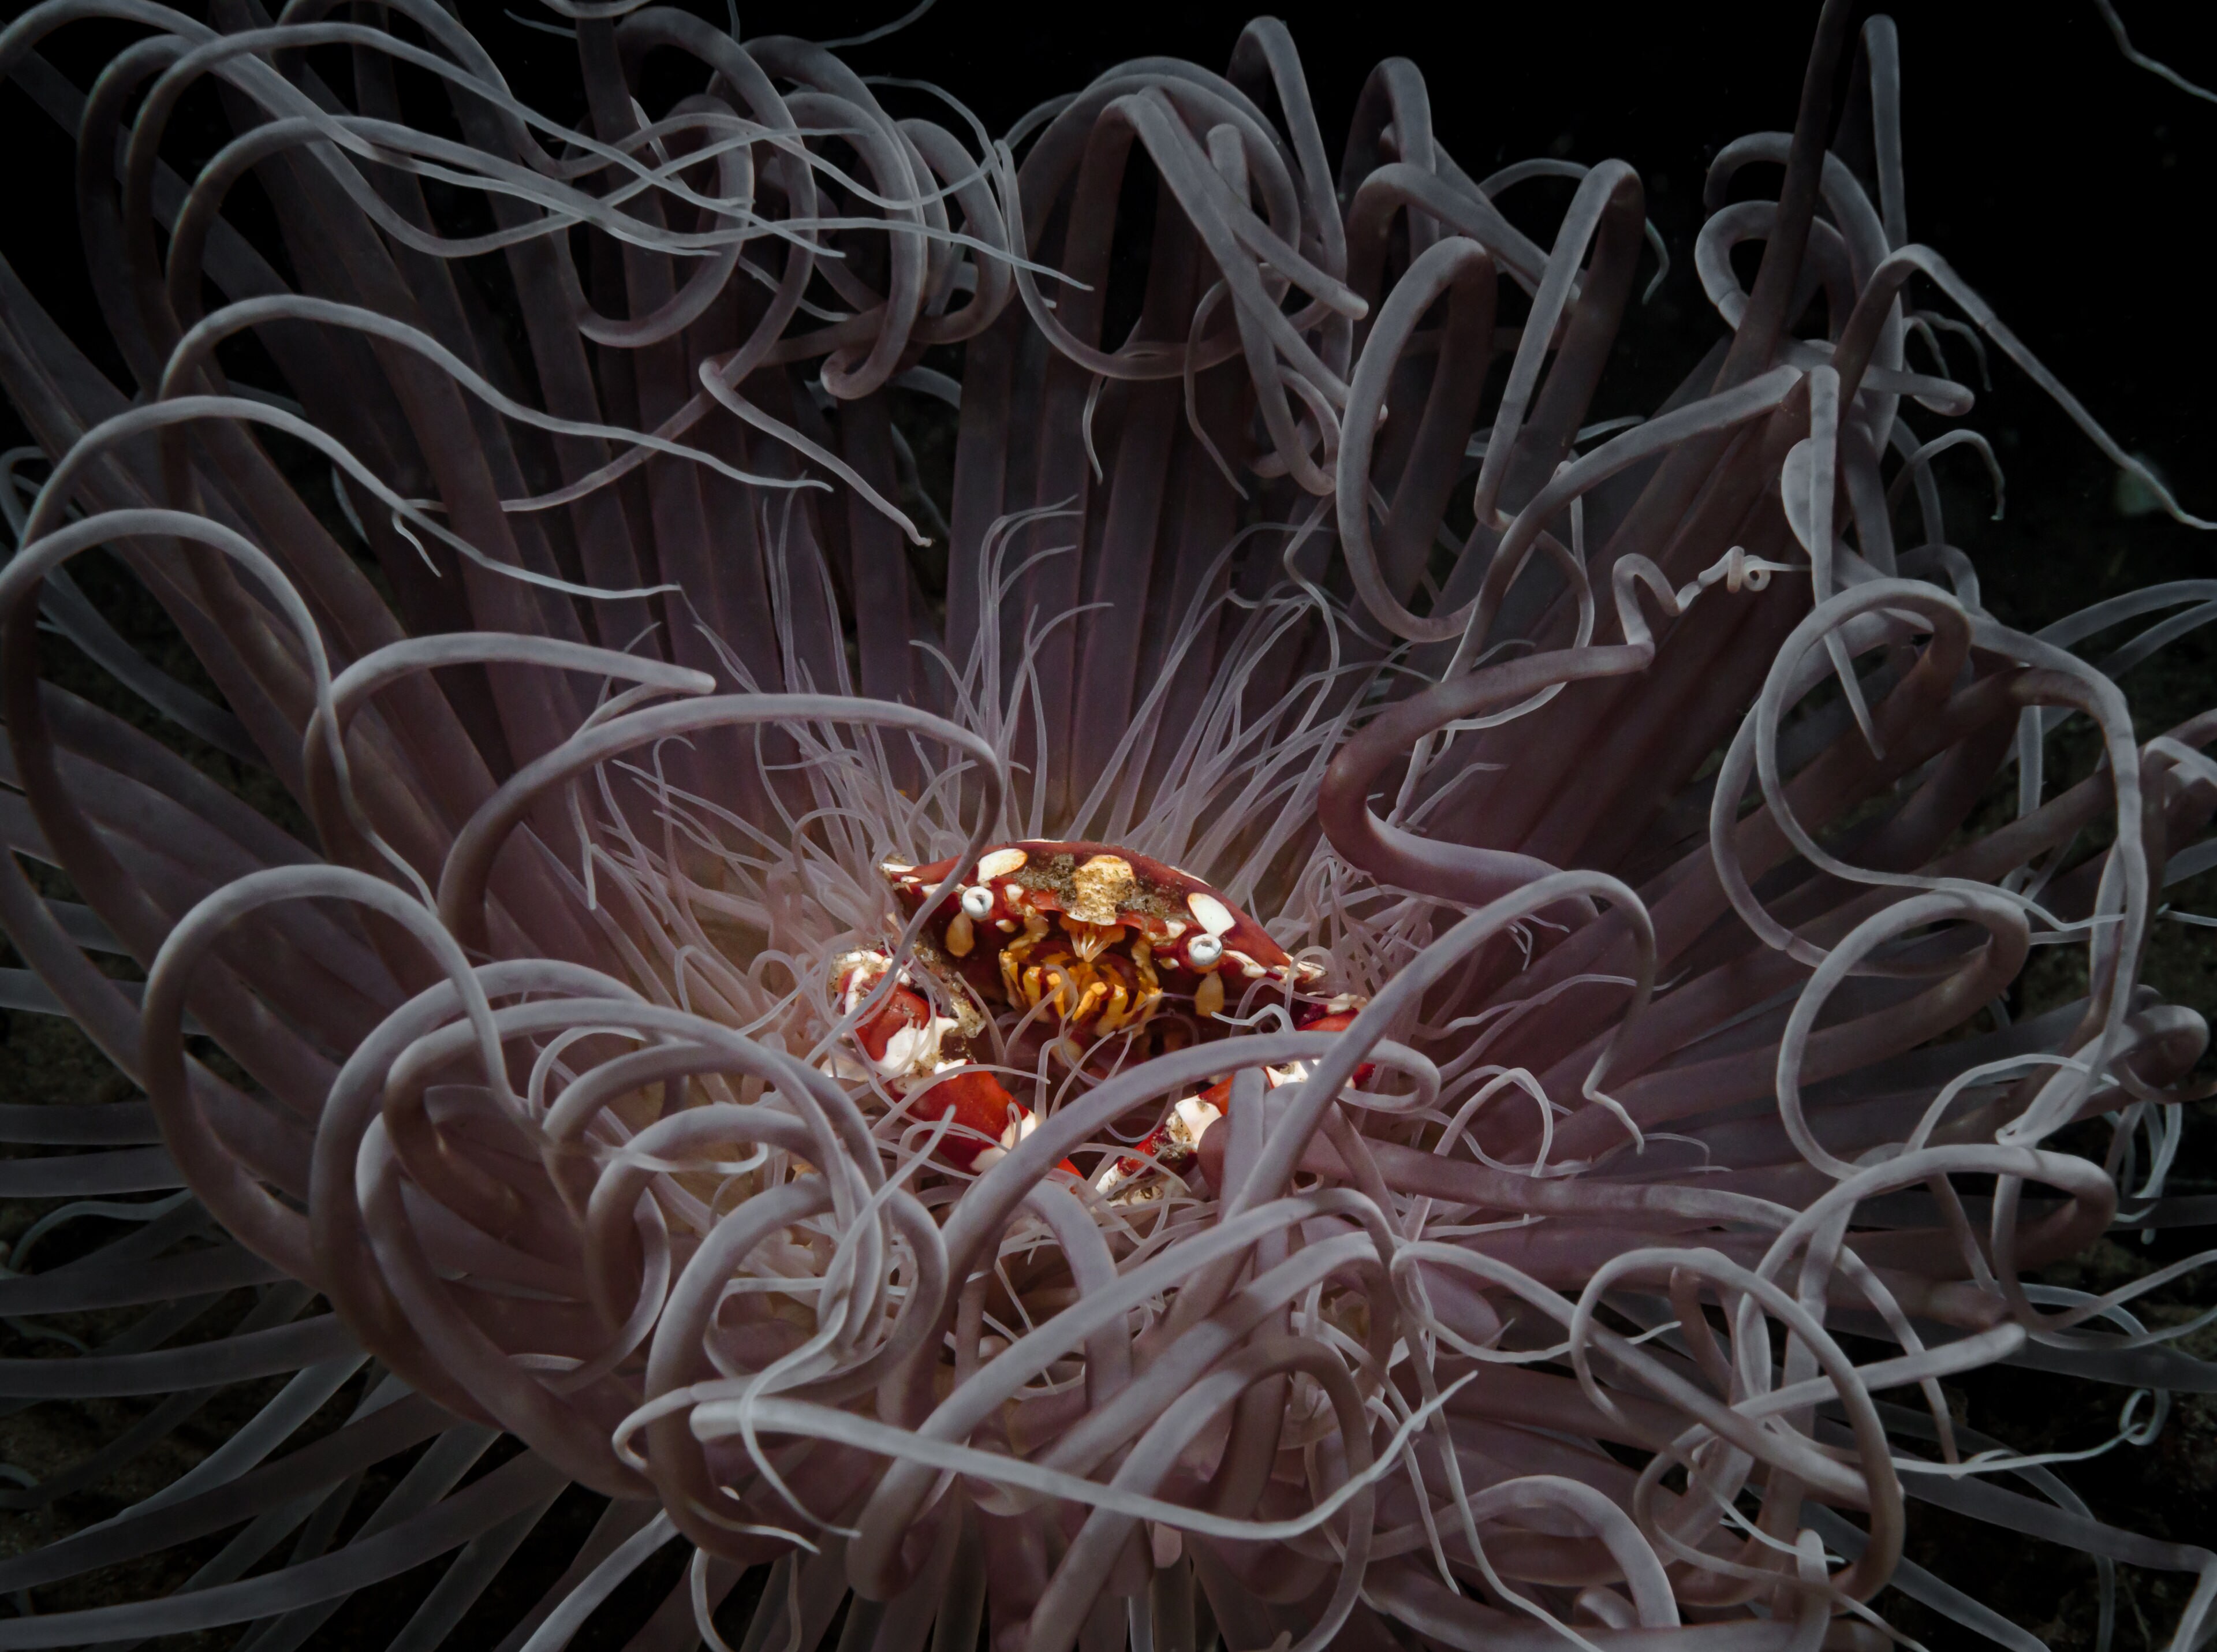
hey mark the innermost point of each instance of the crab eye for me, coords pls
(1203, 951)
(978, 901)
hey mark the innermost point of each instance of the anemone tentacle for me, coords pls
(1335, 1004)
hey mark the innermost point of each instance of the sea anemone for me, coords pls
(1012, 882)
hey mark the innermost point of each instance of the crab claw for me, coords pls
(1170, 1145)
(902, 1011)
(1340, 1021)
(900, 1039)
(980, 1107)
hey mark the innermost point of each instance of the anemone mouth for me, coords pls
(1376, 1019)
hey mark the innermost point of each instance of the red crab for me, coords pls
(1104, 935)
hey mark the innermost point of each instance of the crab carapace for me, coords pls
(1113, 937)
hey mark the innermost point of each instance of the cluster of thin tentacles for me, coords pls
(565, 554)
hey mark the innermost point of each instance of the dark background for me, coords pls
(2072, 188)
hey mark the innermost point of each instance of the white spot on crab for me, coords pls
(1000, 864)
(1211, 913)
(855, 972)
(914, 1051)
(1197, 1116)
(1018, 1127)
